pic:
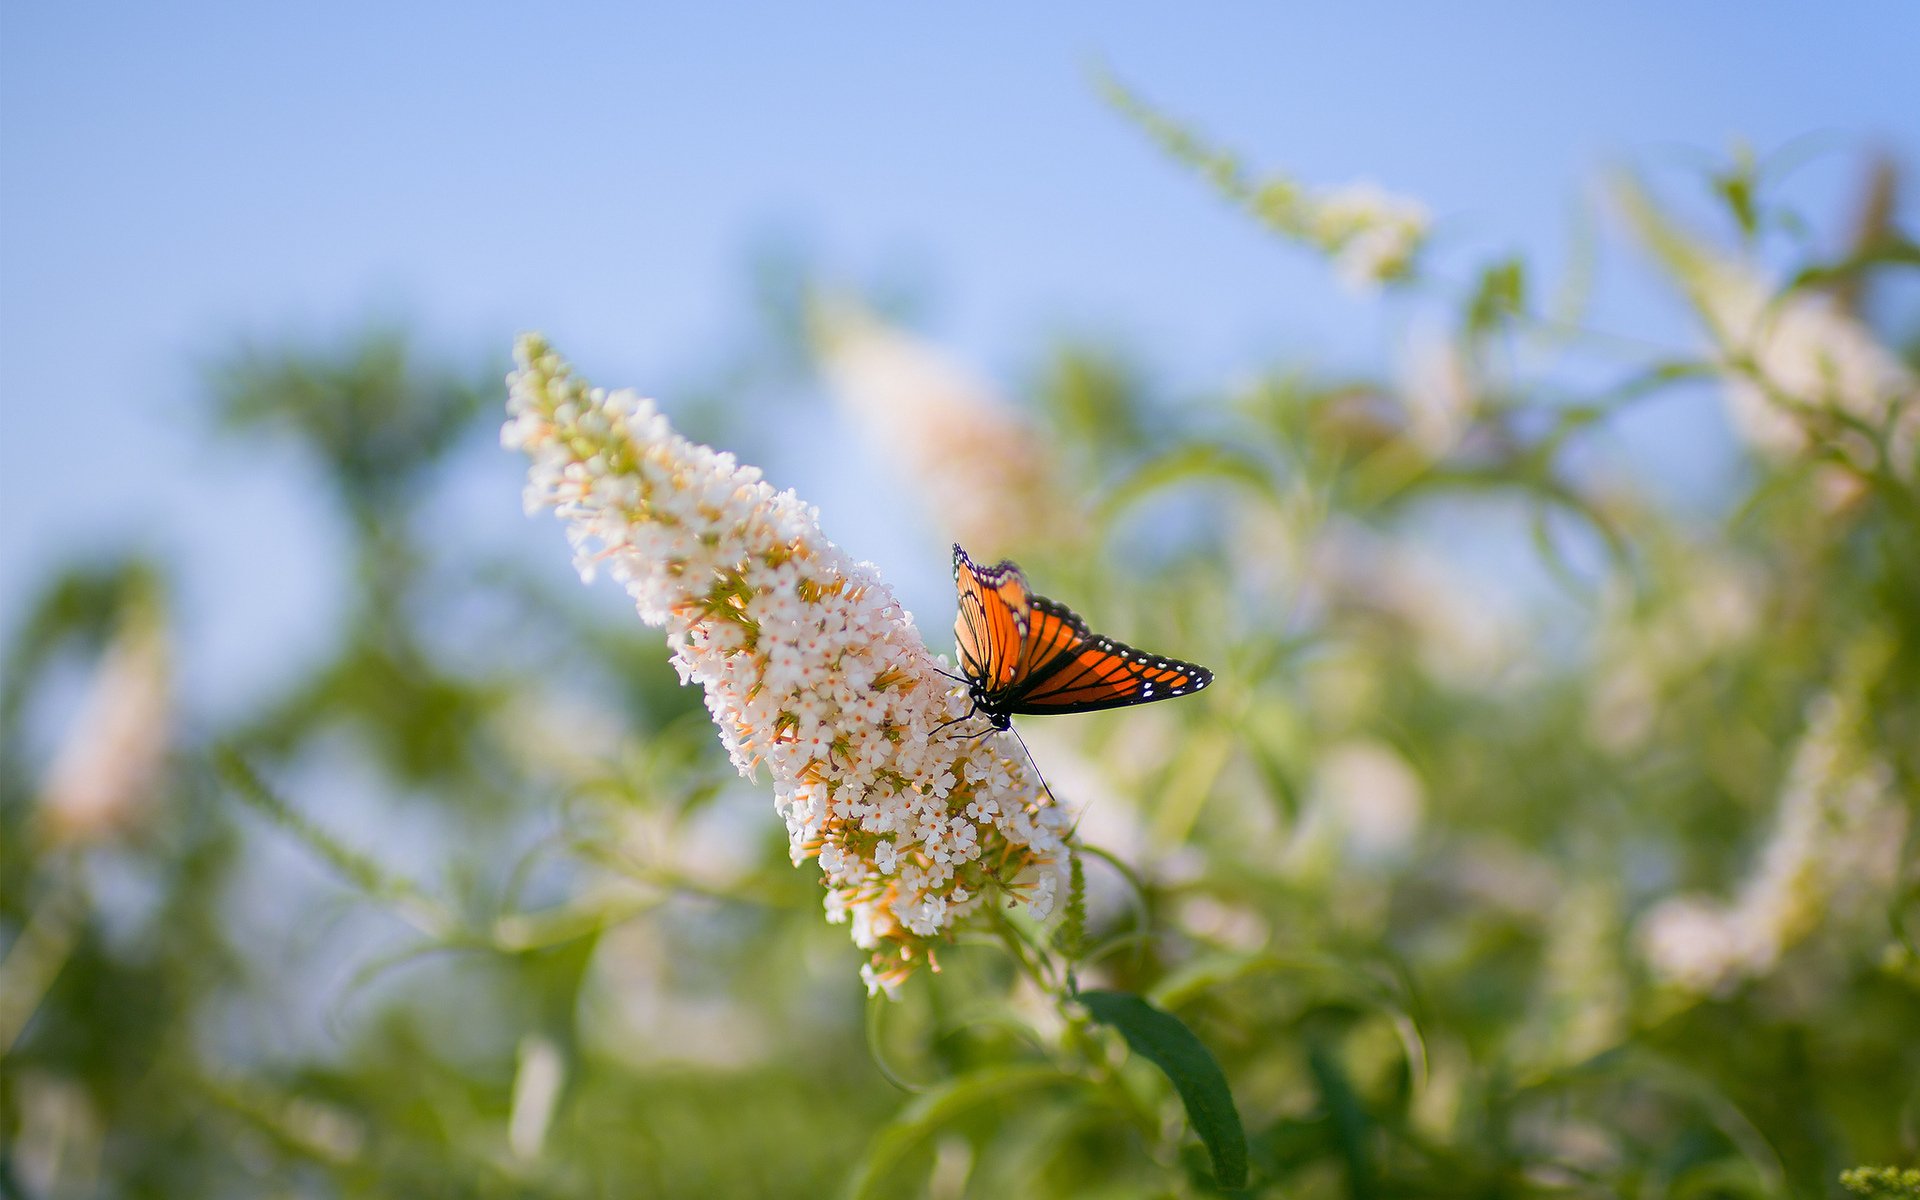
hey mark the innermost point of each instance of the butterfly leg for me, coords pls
(942, 725)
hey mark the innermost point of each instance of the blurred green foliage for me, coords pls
(1588, 872)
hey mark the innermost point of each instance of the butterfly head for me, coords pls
(998, 717)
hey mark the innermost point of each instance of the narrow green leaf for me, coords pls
(1500, 294)
(1350, 1121)
(1162, 1039)
(1738, 189)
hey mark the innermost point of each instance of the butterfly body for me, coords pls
(1024, 654)
(999, 718)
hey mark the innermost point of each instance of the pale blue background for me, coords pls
(172, 176)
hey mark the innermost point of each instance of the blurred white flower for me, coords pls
(1372, 234)
(1836, 838)
(810, 667)
(1365, 806)
(977, 464)
(536, 1089)
(1804, 352)
(1691, 943)
(103, 776)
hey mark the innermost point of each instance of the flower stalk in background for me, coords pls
(1835, 843)
(810, 667)
(1371, 235)
(976, 463)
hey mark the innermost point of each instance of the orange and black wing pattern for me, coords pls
(1027, 654)
(991, 626)
(1076, 670)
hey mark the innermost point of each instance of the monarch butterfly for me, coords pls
(1026, 654)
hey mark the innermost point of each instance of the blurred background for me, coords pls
(1515, 407)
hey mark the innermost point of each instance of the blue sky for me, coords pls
(171, 177)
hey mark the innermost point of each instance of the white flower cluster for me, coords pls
(1837, 831)
(1372, 234)
(1802, 355)
(809, 665)
(977, 464)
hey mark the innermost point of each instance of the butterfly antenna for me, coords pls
(1077, 817)
(1036, 766)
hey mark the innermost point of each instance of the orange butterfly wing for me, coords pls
(1076, 670)
(1052, 631)
(991, 626)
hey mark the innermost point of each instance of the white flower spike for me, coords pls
(978, 466)
(810, 667)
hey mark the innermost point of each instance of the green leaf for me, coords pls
(1162, 1039)
(1738, 188)
(1350, 1121)
(1500, 294)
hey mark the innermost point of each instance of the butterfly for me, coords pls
(1025, 654)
